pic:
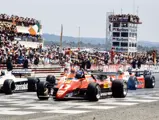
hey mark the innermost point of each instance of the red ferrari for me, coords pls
(90, 86)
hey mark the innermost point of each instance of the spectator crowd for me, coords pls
(8, 28)
(13, 53)
(21, 21)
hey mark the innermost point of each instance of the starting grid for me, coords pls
(20, 104)
(23, 104)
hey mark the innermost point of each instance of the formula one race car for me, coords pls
(9, 83)
(141, 79)
(90, 86)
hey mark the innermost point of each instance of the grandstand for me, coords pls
(27, 31)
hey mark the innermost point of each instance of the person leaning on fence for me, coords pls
(36, 61)
(83, 64)
(88, 64)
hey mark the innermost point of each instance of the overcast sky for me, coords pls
(90, 15)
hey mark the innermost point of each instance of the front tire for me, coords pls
(43, 90)
(149, 81)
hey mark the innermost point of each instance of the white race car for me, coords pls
(9, 83)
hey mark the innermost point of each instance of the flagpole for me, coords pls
(134, 7)
(61, 36)
(137, 12)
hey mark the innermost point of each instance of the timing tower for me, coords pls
(122, 32)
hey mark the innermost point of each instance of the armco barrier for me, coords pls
(110, 68)
(106, 68)
(153, 68)
(114, 68)
(38, 69)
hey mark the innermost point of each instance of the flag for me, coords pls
(33, 30)
(39, 26)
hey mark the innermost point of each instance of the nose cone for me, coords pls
(63, 90)
(61, 94)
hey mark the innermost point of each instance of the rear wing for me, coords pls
(141, 72)
(22, 72)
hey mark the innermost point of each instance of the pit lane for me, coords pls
(26, 106)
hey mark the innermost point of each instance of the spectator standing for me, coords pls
(83, 64)
(139, 63)
(9, 64)
(25, 63)
(36, 61)
(134, 64)
(88, 64)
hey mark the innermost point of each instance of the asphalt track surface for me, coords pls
(142, 104)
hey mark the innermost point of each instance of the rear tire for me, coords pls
(149, 81)
(93, 92)
(119, 89)
(32, 84)
(8, 87)
(43, 90)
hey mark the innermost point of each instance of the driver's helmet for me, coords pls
(120, 71)
(79, 74)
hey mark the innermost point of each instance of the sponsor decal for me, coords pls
(21, 87)
(105, 85)
(104, 94)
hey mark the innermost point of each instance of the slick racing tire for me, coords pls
(51, 79)
(43, 90)
(93, 92)
(149, 81)
(8, 86)
(119, 89)
(32, 84)
(132, 83)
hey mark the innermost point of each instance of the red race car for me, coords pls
(90, 86)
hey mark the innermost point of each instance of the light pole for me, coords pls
(79, 37)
